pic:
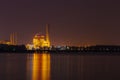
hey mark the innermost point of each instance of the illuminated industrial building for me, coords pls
(12, 41)
(5, 42)
(40, 41)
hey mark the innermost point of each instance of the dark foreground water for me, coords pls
(59, 67)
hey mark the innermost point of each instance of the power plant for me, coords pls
(11, 41)
(40, 41)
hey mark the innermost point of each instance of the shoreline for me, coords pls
(63, 52)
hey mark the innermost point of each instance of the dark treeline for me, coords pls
(103, 48)
(12, 48)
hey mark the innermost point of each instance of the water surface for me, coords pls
(44, 66)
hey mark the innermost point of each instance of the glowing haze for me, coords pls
(73, 22)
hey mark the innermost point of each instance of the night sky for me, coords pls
(72, 22)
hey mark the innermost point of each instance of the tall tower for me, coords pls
(16, 38)
(13, 39)
(47, 35)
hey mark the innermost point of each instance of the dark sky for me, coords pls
(72, 22)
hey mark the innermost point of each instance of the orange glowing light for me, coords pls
(46, 67)
(41, 67)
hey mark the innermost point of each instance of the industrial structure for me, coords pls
(11, 41)
(5, 42)
(41, 41)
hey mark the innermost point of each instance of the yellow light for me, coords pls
(46, 67)
(35, 69)
(41, 67)
(39, 41)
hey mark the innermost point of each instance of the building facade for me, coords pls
(41, 41)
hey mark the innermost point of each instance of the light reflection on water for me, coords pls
(45, 66)
(39, 66)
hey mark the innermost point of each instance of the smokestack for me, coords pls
(47, 35)
(13, 39)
